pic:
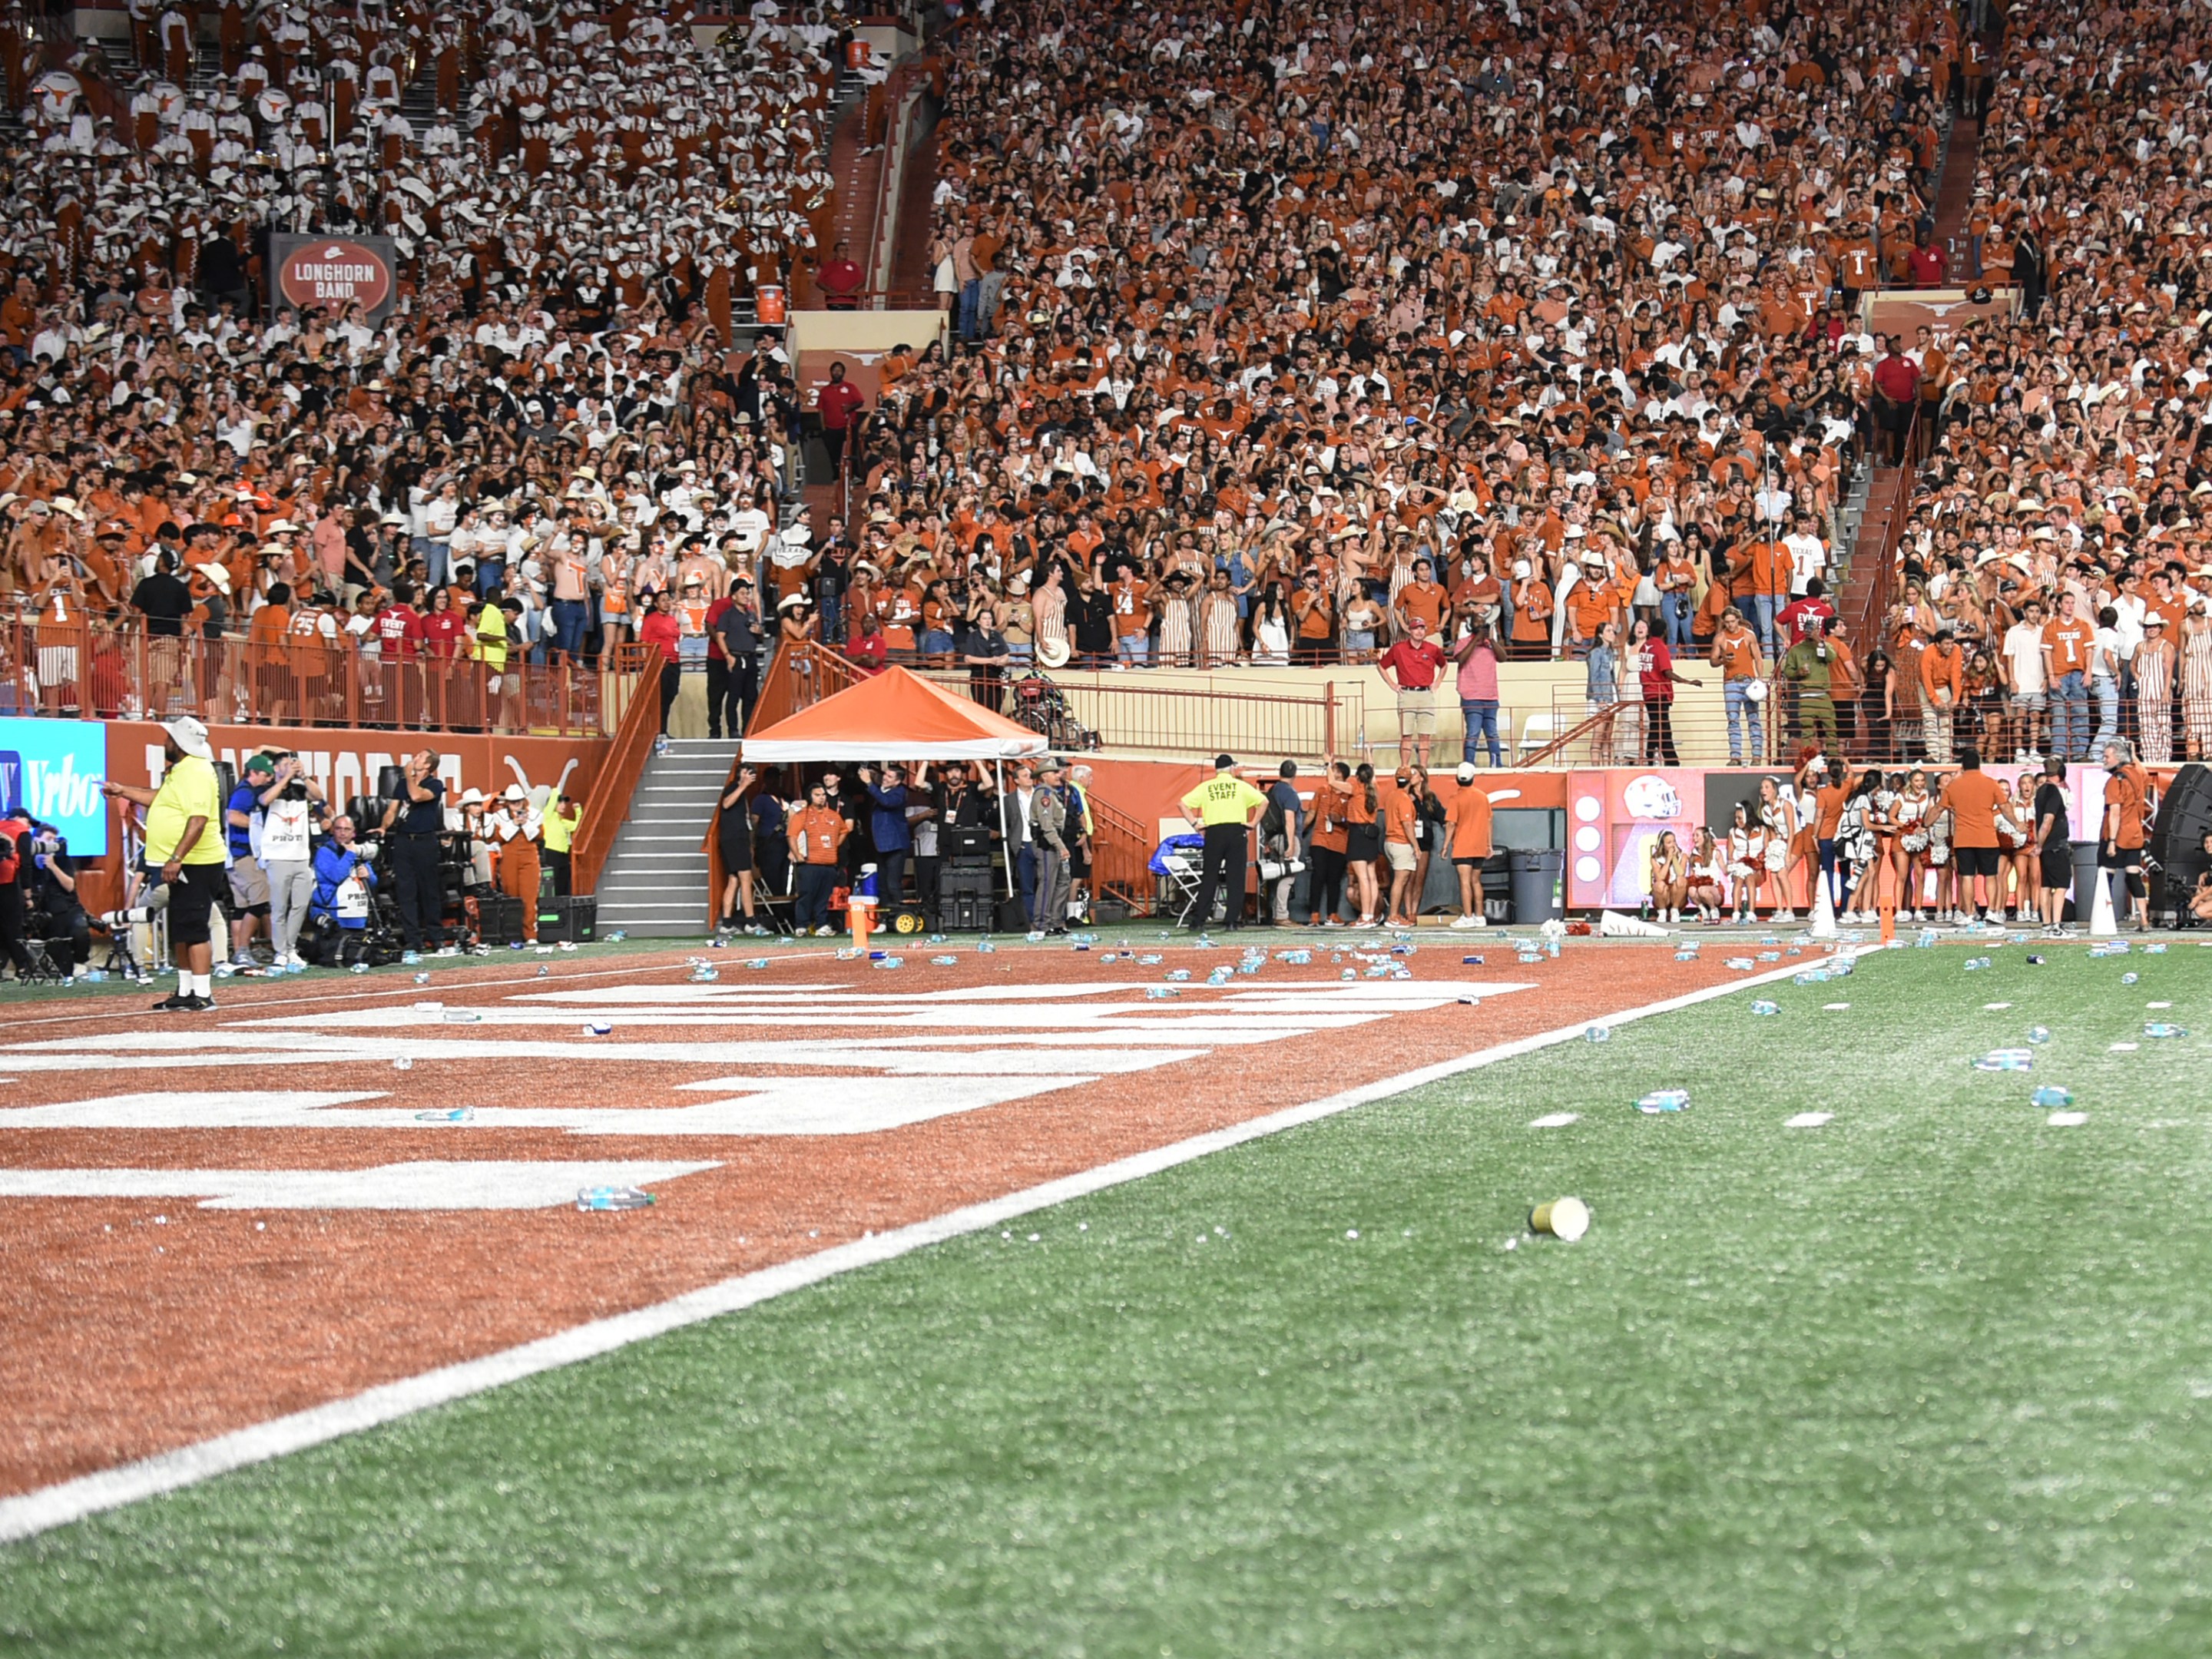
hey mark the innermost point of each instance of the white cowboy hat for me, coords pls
(1053, 653)
(190, 735)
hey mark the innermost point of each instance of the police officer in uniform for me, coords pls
(1223, 805)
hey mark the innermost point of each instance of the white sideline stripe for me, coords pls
(57, 1505)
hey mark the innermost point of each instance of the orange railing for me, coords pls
(94, 669)
(798, 676)
(608, 805)
(1120, 856)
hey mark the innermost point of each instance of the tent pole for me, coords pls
(999, 769)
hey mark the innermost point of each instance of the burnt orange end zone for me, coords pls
(128, 1337)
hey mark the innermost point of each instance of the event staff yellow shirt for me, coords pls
(491, 638)
(559, 831)
(1223, 799)
(190, 790)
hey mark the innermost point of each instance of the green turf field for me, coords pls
(1935, 1377)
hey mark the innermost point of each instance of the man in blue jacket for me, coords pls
(345, 878)
(888, 830)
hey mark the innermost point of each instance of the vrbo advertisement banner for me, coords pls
(52, 770)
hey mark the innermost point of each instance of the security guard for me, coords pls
(1223, 804)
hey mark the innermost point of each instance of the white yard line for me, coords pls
(57, 1505)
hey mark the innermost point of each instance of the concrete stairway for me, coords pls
(654, 884)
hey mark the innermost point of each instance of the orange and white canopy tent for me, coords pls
(894, 715)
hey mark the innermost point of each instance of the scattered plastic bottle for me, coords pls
(1764, 1008)
(1160, 993)
(1380, 970)
(2051, 1094)
(704, 976)
(2038, 1035)
(891, 961)
(1350, 972)
(757, 963)
(2154, 950)
(613, 1197)
(1769, 956)
(1926, 941)
(2129, 979)
(2007, 1059)
(462, 1017)
(1249, 967)
(95, 976)
(1686, 955)
(1178, 976)
(849, 953)
(447, 1115)
(358, 968)
(2035, 962)
(1739, 964)
(660, 743)
(1085, 939)
(1598, 1034)
(1471, 962)
(1150, 959)
(1811, 976)
(943, 962)
(1206, 941)
(408, 958)
(544, 972)
(1301, 959)
(1976, 963)
(598, 1028)
(1035, 936)
(617, 936)
(1220, 976)
(402, 1064)
(2159, 1028)
(934, 938)
(1664, 1100)
(985, 948)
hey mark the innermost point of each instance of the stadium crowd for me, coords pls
(2059, 536)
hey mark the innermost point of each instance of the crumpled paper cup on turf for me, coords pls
(1564, 1218)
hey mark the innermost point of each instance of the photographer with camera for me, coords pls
(345, 876)
(289, 809)
(66, 922)
(414, 823)
(184, 851)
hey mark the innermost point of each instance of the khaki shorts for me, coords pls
(1397, 855)
(249, 885)
(1416, 711)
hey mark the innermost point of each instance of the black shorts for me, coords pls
(1362, 842)
(736, 857)
(1472, 864)
(2122, 857)
(1978, 860)
(2058, 870)
(191, 898)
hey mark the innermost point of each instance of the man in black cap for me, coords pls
(1223, 805)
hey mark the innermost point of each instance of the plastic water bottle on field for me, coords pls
(1349, 973)
(2038, 1035)
(2007, 1059)
(1178, 976)
(2052, 1094)
(617, 936)
(2154, 950)
(1160, 993)
(1976, 963)
(1739, 964)
(2159, 1028)
(2129, 979)
(613, 1197)
(1220, 976)
(1150, 959)
(1598, 1034)
(1664, 1100)
(1764, 1008)
(757, 963)
(1686, 955)
(358, 968)
(943, 962)
(986, 947)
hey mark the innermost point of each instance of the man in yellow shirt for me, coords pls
(561, 817)
(184, 851)
(1223, 805)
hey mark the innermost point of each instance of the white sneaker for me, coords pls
(1466, 921)
(824, 933)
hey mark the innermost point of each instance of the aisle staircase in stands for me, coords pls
(654, 882)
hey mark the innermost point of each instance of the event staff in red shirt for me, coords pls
(840, 401)
(658, 630)
(1410, 667)
(1896, 397)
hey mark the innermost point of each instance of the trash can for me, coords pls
(1497, 888)
(2085, 879)
(1538, 877)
